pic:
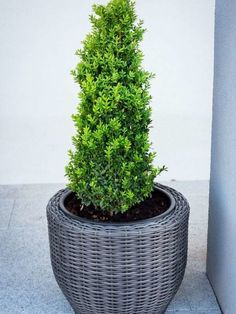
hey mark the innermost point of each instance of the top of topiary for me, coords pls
(111, 164)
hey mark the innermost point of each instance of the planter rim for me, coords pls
(136, 222)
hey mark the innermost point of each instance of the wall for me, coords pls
(222, 220)
(38, 39)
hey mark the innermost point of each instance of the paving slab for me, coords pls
(31, 191)
(27, 284)
(180, 302)
(199, 292)
(192, 312)
(6, 208)
(28, 211)
(197, 248)
(199, 209)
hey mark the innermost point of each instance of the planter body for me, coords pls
(132, 268)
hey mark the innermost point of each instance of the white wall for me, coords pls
(37, 96)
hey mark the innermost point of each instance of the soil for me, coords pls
(157, 204)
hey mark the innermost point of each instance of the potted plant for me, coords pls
(118, 241)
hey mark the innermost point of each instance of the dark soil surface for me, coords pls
(157, 204)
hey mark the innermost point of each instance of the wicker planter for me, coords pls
(132, 268)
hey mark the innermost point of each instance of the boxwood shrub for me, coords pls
(111, 165)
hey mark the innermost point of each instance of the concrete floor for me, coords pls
(27, 284)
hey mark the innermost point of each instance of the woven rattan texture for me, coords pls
(119, 269)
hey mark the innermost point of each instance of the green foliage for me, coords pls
(111, 165)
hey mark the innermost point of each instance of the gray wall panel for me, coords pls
(221, 262)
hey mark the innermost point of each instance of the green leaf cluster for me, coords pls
(111, 163)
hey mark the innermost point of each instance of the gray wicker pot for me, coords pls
(112, 268)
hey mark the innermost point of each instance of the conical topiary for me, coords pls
(111, 165)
